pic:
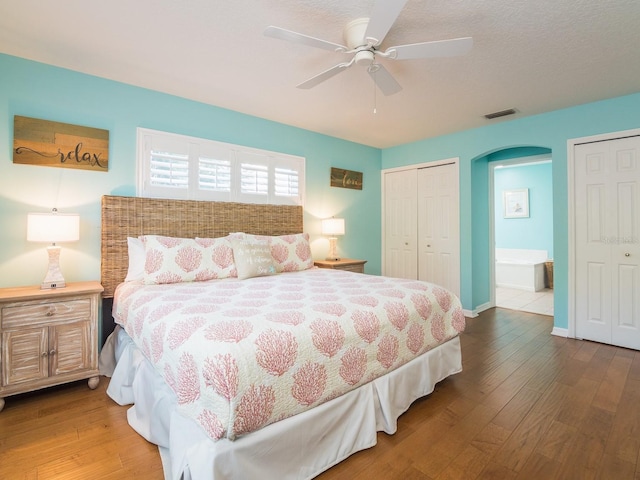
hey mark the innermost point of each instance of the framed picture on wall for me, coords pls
(516, 203)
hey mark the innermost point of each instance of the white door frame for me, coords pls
(571, 216)
(415, 166)
(544, 157)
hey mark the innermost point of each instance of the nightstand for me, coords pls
(343, 264)
(48, 337)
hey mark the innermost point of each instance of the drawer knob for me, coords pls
(50, 312)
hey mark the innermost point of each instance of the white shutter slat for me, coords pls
(169, 170)
(214, 174)
(286, 182)
(254, 179)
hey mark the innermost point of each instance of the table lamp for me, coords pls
(52, 228)
(333, 227)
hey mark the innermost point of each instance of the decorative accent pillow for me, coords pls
(291, 253)
(174, 260)
(252, 257)
(136, 259)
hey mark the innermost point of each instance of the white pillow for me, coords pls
(136, 259)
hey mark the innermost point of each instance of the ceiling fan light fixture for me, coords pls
(364, 58)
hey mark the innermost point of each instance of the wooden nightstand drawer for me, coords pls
(39, 313)
(348, 264)
(358, 268)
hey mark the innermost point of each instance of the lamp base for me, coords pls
(54, 278)
(333, 254)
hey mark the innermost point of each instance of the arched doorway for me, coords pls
(527, 170)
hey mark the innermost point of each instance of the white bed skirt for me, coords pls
(299, 447)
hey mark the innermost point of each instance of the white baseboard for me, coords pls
(483, 307)
(560, 332)
(478, 310)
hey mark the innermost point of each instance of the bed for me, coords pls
(276, 370)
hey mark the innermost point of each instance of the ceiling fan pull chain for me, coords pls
(375, 96)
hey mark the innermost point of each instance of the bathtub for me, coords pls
(521, 269)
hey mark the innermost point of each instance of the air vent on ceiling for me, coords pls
(502, 113)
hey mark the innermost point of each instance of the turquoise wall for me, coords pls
(36, 90)
(549, 132)
(536, 231)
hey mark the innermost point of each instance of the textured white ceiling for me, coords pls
(532, 55)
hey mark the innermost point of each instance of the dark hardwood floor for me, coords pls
(528, 405)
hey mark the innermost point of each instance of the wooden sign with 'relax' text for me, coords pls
(55, 144)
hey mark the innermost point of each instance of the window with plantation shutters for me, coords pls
(177, 166)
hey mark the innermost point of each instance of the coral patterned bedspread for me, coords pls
(241, 354)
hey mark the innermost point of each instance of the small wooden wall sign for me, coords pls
(55, 144)
(346, 178)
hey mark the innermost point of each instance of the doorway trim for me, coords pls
(571, 217)
(519, 161)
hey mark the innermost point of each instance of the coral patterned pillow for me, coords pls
(221, 253)
(291, 253)
(174, 260)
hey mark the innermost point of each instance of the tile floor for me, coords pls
(535, 302)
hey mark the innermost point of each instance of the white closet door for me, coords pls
(607, 226)
(593, 255)
(439, 226)
(625, 244)
(400, 212)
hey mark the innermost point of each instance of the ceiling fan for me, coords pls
(363, 38)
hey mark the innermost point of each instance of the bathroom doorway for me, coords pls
(522, 234)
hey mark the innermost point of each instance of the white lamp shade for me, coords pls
(333, 226)
(53, 227)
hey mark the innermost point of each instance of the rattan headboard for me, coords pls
(124, 217)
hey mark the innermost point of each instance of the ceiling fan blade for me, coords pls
(283, 34)
(383, 16)
(383, 79)
(326, 75)
(440, 48)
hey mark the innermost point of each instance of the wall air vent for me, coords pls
(502, 113)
